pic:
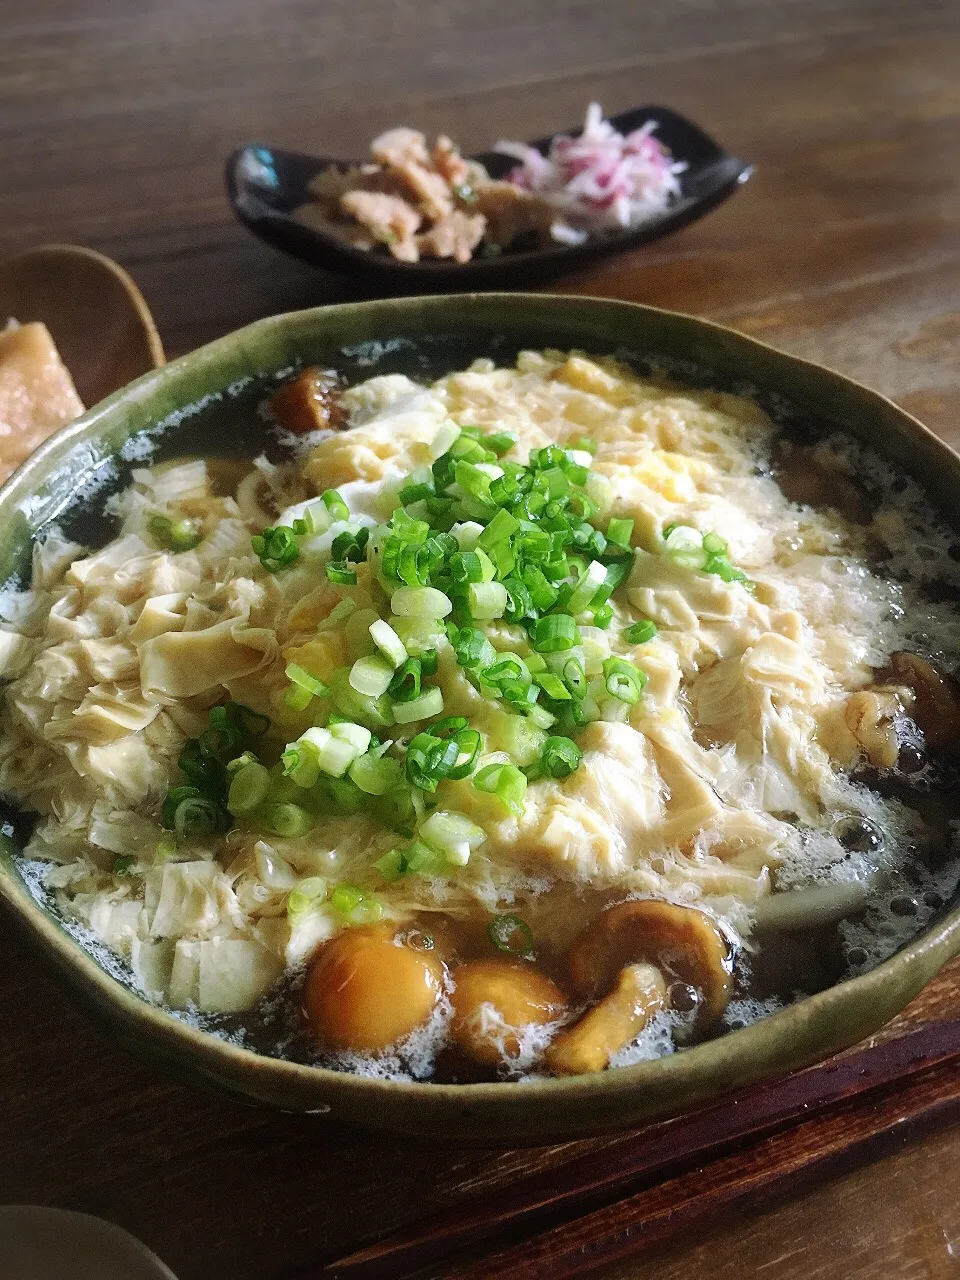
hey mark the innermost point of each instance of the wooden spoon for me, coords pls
(99, 320)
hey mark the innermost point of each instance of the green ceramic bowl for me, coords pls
(200, 397)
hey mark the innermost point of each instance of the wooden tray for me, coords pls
(643, 1188)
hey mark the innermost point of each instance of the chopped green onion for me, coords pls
(343, 574)
(467, 534)
(584, 444)
(512, 936)
(388, 642)
(574, 677)
(297, 698)
(620, 532)
(356, 906)
(197, 765)
(420, 602)
(392, 865)
(287, 820)
(173, 535)
(276, 548)
(541, 717)
(196, 814)
(356, 736)
(301, 677)
(337, 615)
(603, 616)
(406, 683)
(555, 633)
(640, 632)
(552, 686)
(453, 835)
(500, 442)
(335, 505)
(486, 600)
(336, 748)
(308, 894)
(371, 676)
(714, 545)
(411, 493)
(123, 864)
(423, 861)
(249, 787)
(684, 546)
(509, 668)
(623, 680)
(246, 758)
(428, 704)
(358, 706)
(472, 649)
(467, 567)
(502, 526)
(560, 757)
(375, 775)
(591, 580)
(506, 782)
(343, 795)
(301, 766)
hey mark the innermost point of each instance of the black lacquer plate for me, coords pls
(266, 185)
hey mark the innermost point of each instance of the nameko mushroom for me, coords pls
(627, 964)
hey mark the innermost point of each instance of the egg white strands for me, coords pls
(531, 1040)
(714, 787)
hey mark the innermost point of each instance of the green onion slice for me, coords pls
(512, 936)
(640, 632)
(623, 680)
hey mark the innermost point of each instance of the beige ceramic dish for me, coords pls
(206, 393)
(97, 316)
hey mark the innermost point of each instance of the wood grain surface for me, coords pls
(845, 247)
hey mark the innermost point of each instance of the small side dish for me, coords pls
(37, 395)
(417, 201)
(544, 719)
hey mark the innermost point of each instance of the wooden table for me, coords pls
(845, 246)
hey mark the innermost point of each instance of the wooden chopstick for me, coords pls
(836, 1140)
(583, 1187)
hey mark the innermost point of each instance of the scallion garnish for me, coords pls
(640, 632)
(277, 548)
(560, 757)
(303, 679)
(356, 906)
(623, 680)
(173, 535)
(511, 935)
(555, 633)
(506, 782)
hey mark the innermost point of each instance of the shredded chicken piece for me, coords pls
(455, 236)
(429, 188)
(399, 147)
(511, 212)
(448, 161)
(315, 215)
(390, 220)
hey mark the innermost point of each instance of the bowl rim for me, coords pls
(795, 1036)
